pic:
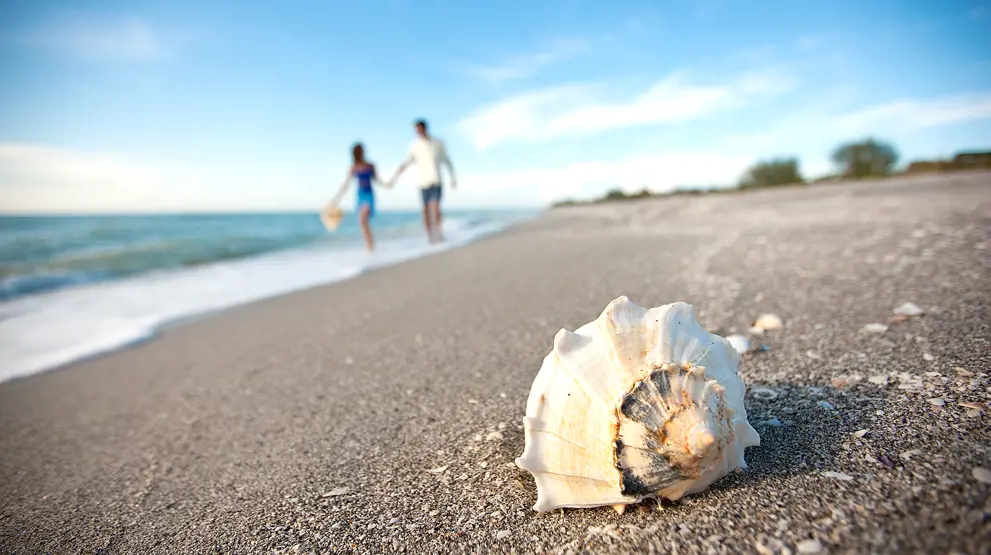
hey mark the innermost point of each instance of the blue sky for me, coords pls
(238, 105)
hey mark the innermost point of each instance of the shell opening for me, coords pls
(672, 425)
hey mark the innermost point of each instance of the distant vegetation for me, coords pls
(867, 158)
(783, 171)
(863, 159)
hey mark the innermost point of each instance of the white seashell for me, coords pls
(635, 404)
(769, 322)
(739, 342)
(874, 328)
(909, 309)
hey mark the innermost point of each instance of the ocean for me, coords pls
(76, 286)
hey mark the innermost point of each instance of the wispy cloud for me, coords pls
(526, 65)
(818, 131)
(912, 114)
(105, 38)
(576, 109)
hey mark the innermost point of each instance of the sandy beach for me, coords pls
(310, 423)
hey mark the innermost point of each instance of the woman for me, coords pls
(364, 172)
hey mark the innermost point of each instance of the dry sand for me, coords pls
(309, 422)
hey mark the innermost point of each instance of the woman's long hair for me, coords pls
(358, 153)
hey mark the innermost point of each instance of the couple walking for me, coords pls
(428, 153)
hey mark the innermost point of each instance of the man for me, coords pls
(428, 153)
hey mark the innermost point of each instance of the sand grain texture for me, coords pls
(363, 416)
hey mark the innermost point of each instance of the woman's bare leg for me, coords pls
(365, 228)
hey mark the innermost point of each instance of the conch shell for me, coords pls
(635, 404)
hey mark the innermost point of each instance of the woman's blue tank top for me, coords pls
(364, 176)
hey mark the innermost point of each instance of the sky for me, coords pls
(165, 106)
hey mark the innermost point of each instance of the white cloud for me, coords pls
(816, 132)
(575, 110)
(911, 114)
(522, 66)
(106, 38)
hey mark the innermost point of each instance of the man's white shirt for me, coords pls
(428, 155)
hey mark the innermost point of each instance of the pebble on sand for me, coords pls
(335, 492)
(837, 475)
(502, 534)
(908, 309)
(768, 322)
(937, 402)
(878, 380)
(928, 357)
(826, 405)
(860, 433)
(981, 474)
(438, 470)
(874, 328)
(809, 546)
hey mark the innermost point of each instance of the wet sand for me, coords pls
(308, 422)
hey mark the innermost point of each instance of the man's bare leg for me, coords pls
(427, 222)
(435, 216)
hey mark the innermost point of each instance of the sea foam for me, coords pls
(48, 330)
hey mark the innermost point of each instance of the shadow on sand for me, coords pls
(801, 426)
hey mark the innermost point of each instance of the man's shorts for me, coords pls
(430, 194)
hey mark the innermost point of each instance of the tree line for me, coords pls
(862, 159)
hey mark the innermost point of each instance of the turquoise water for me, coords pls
(74, 287)
(50, 252)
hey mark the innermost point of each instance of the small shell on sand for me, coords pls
(837, 475)
(739, 342)
(768, 322)
(874, 328)
(981, 474)
(909, 309)
(764, 393)
(909, 454)
(809, 546)
(860, 433)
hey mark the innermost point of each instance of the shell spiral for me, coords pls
(637, 403)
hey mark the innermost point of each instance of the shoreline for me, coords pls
(147, 334)
(316, 421)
